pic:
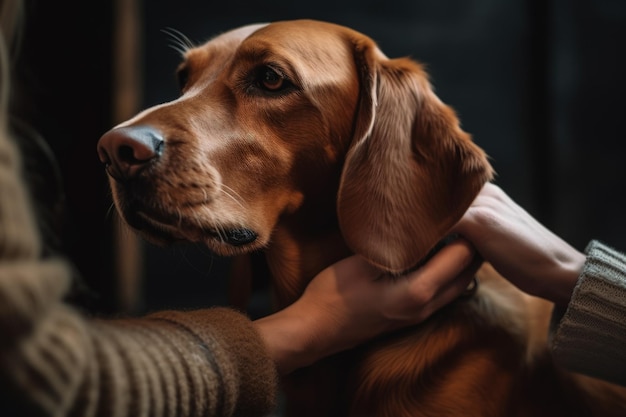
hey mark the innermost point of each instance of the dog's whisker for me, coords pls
(206, 195)
(110, 211)
(180, 42)
(221, 233)
(181, 217)
(233, 195)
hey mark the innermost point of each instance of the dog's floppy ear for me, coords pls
(410, 172)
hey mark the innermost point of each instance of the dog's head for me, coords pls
(289, 118)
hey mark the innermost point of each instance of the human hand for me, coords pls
(519, 247)
(351, 302)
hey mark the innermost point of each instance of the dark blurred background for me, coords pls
(538, 83)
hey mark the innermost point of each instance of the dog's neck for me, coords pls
(298, 253)
(306, 241)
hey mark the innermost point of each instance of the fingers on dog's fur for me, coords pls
(411, 171)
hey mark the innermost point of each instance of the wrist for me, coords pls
(570, 273)
(289, 338)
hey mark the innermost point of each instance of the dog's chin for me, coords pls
(163, 230)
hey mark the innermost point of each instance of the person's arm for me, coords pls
(589, 290)
(54, 361)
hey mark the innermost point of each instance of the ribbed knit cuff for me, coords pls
(247, 373)
(590, 337)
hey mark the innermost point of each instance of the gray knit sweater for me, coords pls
(590, 335)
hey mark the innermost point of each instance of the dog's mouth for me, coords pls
(165, 228)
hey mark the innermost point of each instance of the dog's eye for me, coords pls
(271, 80)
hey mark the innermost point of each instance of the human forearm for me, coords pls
(208, 360)
(288, 337)
(170, 363)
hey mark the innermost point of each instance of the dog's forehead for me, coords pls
(239, 34)
(227, 41)
(310, 40)
(317, 51)
(313, 40)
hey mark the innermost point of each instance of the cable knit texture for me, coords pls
(54, 361)
(590, 337)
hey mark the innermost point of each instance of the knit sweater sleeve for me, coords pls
(56, 361)
(589, 336)
(206, 362)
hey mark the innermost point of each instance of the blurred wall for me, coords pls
(62, 82)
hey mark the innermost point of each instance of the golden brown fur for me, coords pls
(352, 153)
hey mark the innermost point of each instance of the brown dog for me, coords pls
(301, 138)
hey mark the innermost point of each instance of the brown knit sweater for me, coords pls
(54, 361)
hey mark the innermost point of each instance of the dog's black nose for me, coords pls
(127, 150)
